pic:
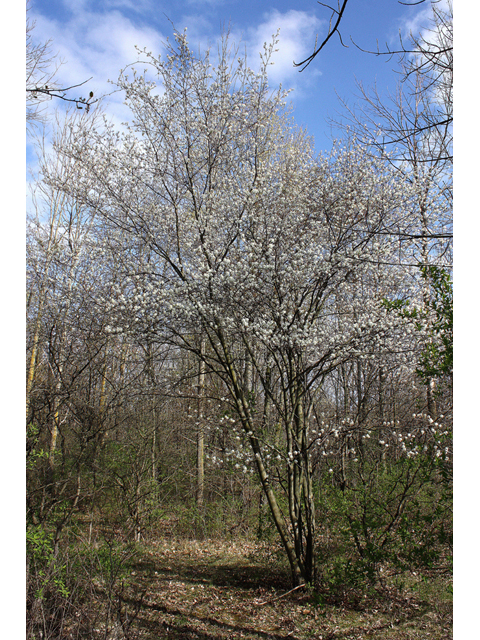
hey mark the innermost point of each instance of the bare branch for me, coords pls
(61, 94)
(41, 70)
(304, 64)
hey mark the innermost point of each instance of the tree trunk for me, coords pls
(200, 428)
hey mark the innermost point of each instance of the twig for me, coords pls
(282, 596)
(304, 64)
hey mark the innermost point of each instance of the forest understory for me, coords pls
(177, 587)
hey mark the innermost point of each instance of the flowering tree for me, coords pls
(236, 243)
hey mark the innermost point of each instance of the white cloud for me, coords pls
(97, 40)
(139, 6)
(297, 36)
(420, 22)
(297, 32)
(95, 45)
(210, 3)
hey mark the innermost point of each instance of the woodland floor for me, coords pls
(211, 590)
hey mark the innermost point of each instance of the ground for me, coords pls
(210, 590)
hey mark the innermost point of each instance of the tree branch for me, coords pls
(61, 93)
(304, 64)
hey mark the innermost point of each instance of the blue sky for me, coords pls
(96, 38)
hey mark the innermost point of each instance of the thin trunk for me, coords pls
(248, 376)
(153, 382)
(361, 410)
(431, 402)
(381, 411)
(200, 428)
(49, 253)
(77, 249)
(154, 443)
(33, 356)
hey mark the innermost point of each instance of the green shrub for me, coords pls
(396, 515)
(44, 564)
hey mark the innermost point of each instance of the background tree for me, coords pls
(412, 130)
(41, 85)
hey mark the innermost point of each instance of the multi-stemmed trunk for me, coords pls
(300, 489)
(298, 536)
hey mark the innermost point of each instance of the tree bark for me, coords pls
(200, 428)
